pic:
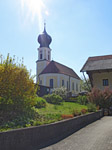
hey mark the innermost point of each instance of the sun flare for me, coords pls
(35, 8)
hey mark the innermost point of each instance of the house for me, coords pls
(51, 73)
(99, 70)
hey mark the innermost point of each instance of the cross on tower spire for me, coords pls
(44, 25)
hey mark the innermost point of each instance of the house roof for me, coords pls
(98, 63)
(55, 67)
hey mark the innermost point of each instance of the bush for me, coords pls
(72, 99)
(40, 102)
(62, 92)
(91, 107)
(103, 99)
(53, 99)
(47, 118)
(84, 111)
(22, 120)
(82, 100)
(17, 88)
(76, 113)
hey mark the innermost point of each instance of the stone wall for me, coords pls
(34, 138)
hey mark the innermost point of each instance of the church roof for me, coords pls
(44, 39)
(98, 63)
(55, 67)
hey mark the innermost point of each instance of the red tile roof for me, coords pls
(55, 67)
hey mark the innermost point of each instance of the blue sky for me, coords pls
(79, 29)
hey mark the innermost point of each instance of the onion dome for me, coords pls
(44, 39)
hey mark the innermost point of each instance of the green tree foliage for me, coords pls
(86, 85)
(17, 88)
(40, 102)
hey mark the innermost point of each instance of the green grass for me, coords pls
(65, 108)
(51, 113)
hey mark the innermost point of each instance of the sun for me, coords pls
(35, 8)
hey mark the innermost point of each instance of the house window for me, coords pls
(40, 82)
(51, 83)
(40, 54)
(67, 85)
(76, 87)
(73, 86)
(105, 82)
(62, 82)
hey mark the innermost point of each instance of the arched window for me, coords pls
(48, 55)
(77, 87)
(62, 82)
(51, 83)
(40, 54)
(67, 86)
(73, 86)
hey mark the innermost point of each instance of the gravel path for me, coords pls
(96, 136)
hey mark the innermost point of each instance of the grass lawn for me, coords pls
(65, 108)
(51, 113)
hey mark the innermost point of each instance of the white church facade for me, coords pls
(51, 73)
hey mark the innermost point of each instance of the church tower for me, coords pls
(44, 52)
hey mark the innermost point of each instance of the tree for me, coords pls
(86, 85)
(17, 88)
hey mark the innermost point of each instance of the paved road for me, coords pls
(96, 136)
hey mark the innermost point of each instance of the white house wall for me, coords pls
(57, 78)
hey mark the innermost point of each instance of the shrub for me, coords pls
(103, 99)
(97, 107)
(40, 102)
(49, 118)
(84, 111)
(71, 99)
(17, 88)
(19, 121)
(95, 96)
(91, 107)
(107, 98)
(53, 99)
(62, 92)
(82, 99)
(76, 112)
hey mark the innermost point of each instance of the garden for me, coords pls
(43, 112)
(20, 106)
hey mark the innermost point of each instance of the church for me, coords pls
(53, 74)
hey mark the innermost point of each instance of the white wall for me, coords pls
(57, 78)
